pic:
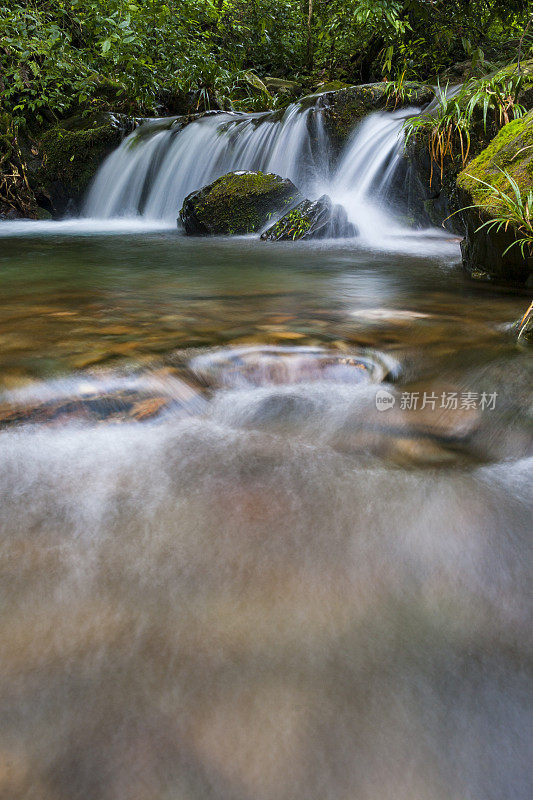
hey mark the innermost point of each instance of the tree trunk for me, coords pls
(310, 36)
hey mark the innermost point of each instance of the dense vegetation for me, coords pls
(166, 55)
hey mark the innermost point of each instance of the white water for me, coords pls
(149, 176)
(152, 175)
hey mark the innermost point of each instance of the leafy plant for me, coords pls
(449, 127)
(513, 211)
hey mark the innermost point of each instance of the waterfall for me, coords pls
(161, 162)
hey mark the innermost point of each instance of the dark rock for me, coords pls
(9, 215)
(238, 203)
(510, 153)
(426, 196)
(342, 109)
(312, 219)
(62, 162)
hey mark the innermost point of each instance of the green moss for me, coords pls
(511, 150)
(237, 203)
(238, 185)
(332, 86)
(72, 156)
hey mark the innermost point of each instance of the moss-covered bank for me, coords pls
(46, 171)
(70, 154)
(511, 153)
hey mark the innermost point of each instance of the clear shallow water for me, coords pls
(272, 590)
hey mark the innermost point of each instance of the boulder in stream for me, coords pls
(312, 219)
(237, 203)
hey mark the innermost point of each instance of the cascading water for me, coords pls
(158, 165)
(154, 169)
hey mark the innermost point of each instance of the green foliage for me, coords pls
(479, 101)
(395, 91)
(294, 224)
(15, 192)
(59, 56)
(514, 211)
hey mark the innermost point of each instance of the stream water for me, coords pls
(251, 548)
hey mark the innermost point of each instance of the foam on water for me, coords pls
(198, 609)
(83, 227)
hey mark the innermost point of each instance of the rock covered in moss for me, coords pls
(283, 86)
(509, 153)
(237, 203)
(330, 86)
(69, 155)
(342, 109)
(427, 187)
(312, 219)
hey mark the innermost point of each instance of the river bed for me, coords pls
(231, 569)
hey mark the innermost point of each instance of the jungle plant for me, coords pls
(396, 91)
(449, 126)
(513, 210)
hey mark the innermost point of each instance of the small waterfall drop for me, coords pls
(154, 169)
(160, 163)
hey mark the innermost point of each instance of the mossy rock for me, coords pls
(237, 203)
(331, 86)
(69, 156)
(311, 219)
(343, 109)
(511, 151)
(282, 86)
(429, 187)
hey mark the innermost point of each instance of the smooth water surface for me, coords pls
(272, 590)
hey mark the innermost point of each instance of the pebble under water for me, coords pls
(225, 572)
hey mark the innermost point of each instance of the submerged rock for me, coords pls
(486, 251)
(237, 203)
(96, 401)
(312, 219)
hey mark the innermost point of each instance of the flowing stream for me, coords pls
(157, 166)
(251, 548)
